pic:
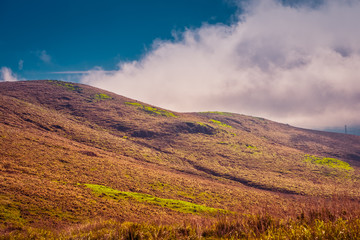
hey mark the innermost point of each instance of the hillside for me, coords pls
(72, 154)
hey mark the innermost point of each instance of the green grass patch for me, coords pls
(177, 205)
(219, 113)
(251, 147)
(9, 212)
(220, 123)
(66, 85)
(330, 162)
(201, 124)
(134, 104)
(259, 118)
(101, 96)
(158, 111)
(151, 110)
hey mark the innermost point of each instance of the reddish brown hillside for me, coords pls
(71, 152)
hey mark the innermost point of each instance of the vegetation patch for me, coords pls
(330, 162)
(260, 118)
(198, 127)
(219, 113)
(134, 104)
(177, 205)
(309, 225)
(158, 111)
(152, 110)
(10, 213)
(251, 147)
(101, 96)
(66, 85)
(220, 123)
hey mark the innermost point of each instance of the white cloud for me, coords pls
(82, 72)
(7, 75)
(44, 56)
(21, 64)
(298, 65)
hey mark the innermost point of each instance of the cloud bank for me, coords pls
(298, 65)
(7, 75)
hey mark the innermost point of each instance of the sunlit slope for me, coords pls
(71, 152)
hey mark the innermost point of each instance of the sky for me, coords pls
(296, 62)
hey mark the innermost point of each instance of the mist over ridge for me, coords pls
(293, 64)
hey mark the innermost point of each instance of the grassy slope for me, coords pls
(57, 137)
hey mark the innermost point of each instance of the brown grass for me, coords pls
(312, 224)
(54, 138)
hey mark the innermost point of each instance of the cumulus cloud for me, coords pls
(293, 64)
(7, 75)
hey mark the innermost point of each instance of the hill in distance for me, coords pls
(354, 130)
(79, 162)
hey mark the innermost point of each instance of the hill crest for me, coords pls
(71, 152)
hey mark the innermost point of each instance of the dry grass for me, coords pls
(56, 137)
(311, 224)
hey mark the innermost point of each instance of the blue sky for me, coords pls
(291, 61)
(51, 36)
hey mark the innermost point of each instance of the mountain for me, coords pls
(76, 159)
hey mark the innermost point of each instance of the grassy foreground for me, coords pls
(313, 224)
